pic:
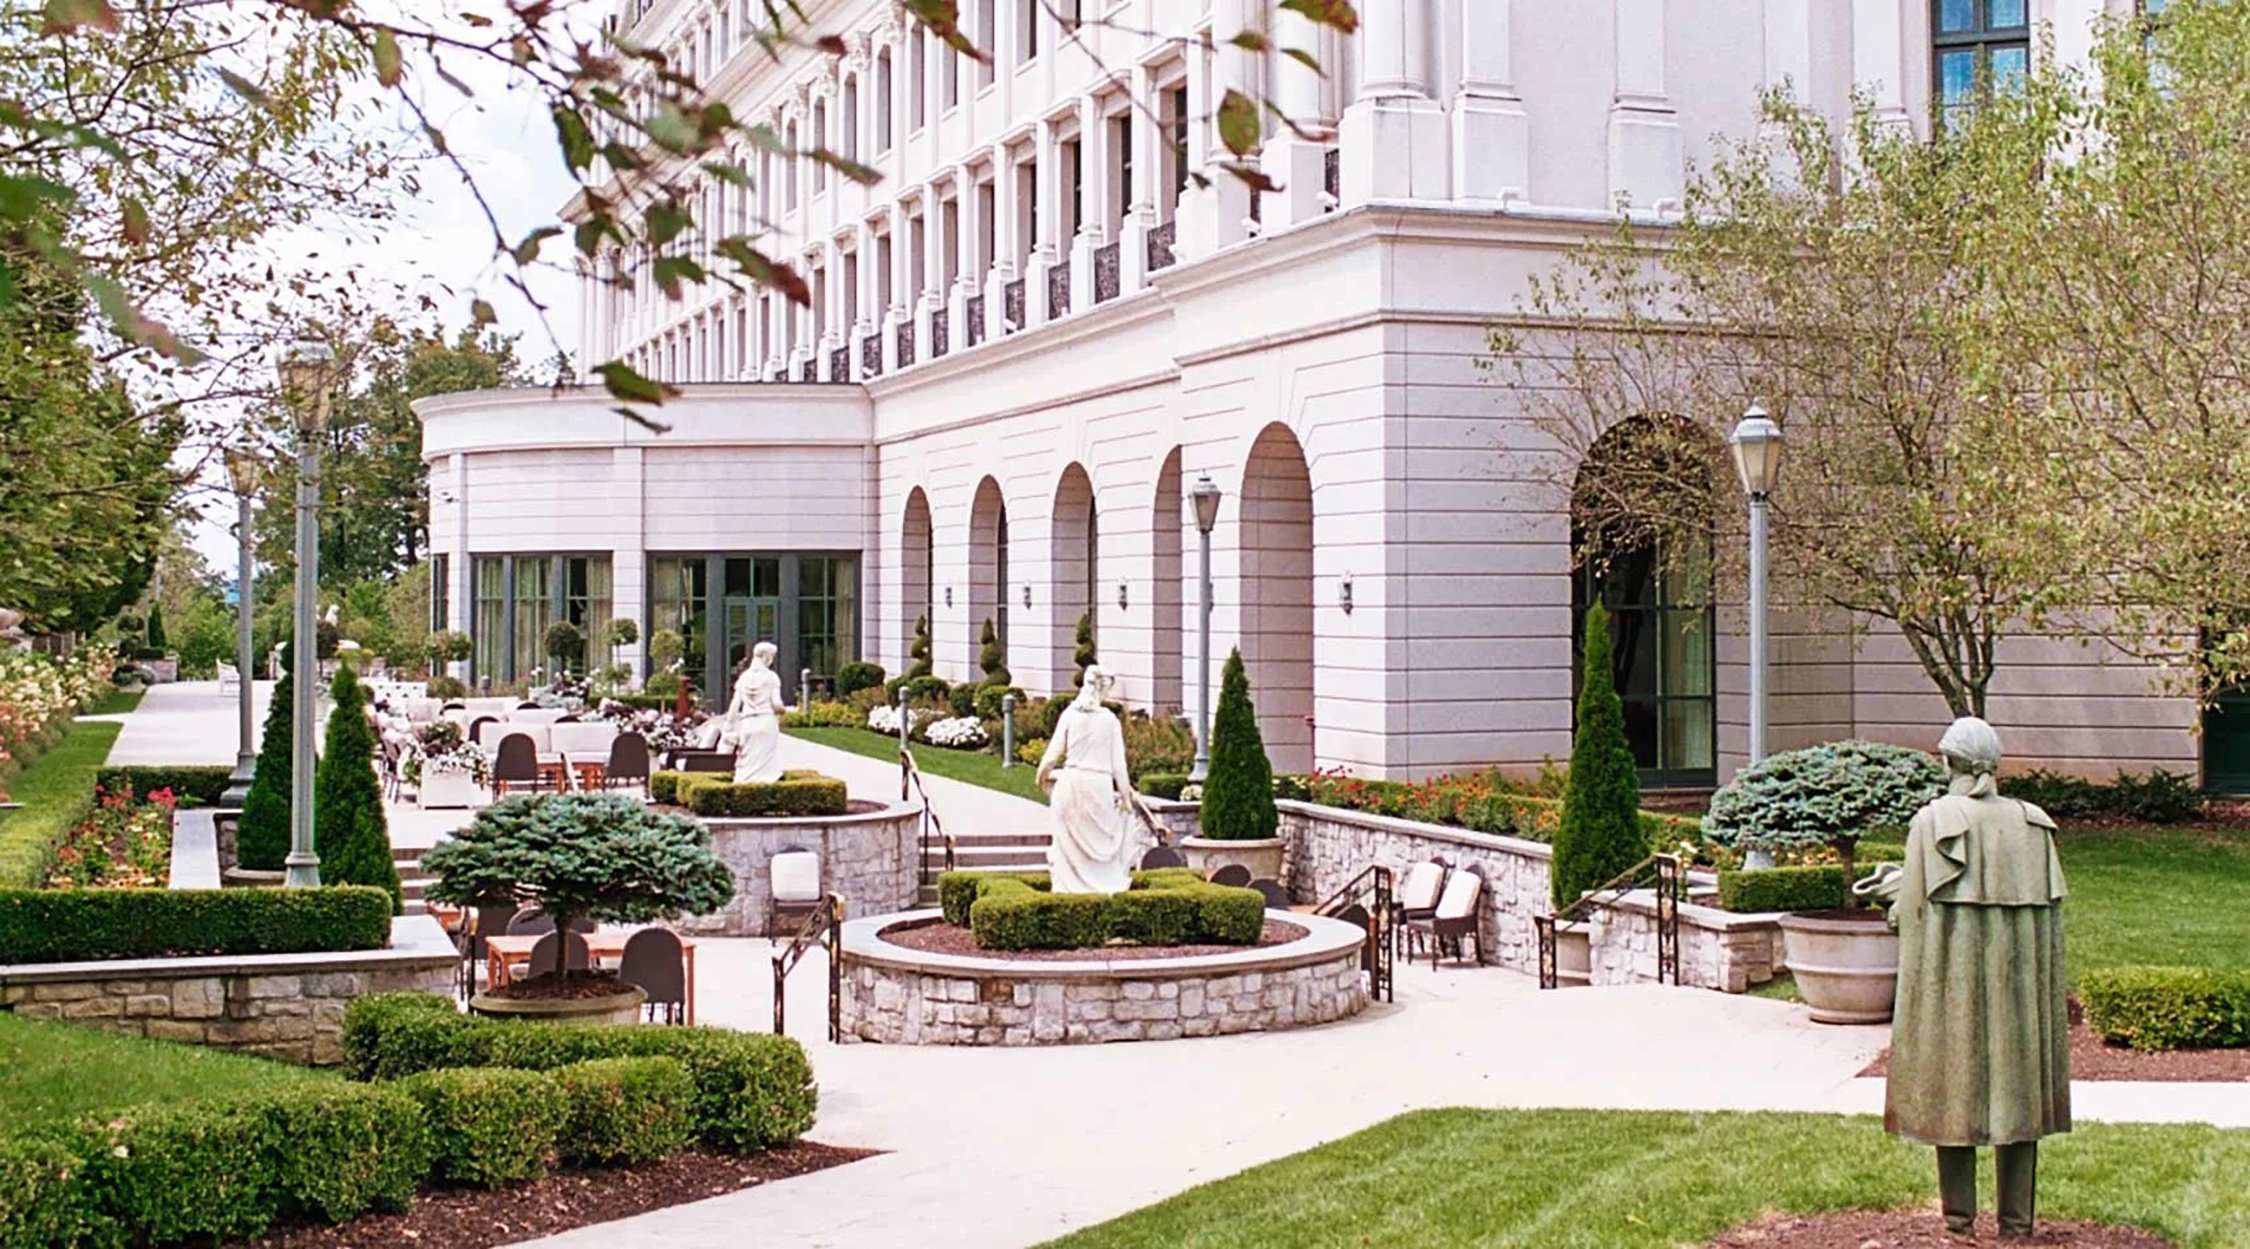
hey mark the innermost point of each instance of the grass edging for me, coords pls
(967, 766)
(57, 791)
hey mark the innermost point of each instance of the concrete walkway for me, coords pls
(187, 722)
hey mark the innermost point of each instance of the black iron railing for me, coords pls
(1058, 290)
(973, 309)
(1160, 242)
(1332, 176)
(906, 344)
(1372, 891)
(1012, 305)
(1107, 278)
(809, 371)
(934, 836)
(840, 364)
(871, 356)
(940, 334)
(824, 927)
(1664, 872)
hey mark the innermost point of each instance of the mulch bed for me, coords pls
(941, 938)
(852, 806)
(1918, 1229)
(547, 987)
(2092, 1058)
(474, 1218)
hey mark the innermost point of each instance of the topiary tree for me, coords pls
(261, 834)
(349, 831)
(1600, 832)
(1238, 792)
(1084, 656)
(919, 652)
(994, 657)
(566, 646)
(1824, 795)
(591, 856)
(665, 646)
(857, 675)
(156, 640)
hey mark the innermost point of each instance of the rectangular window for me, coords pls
(987, 228)
(1977, 46)
(883, 101)
(851, 292)
(676, 604)
(1027, 31)
(791, 158)
(1179, 155)
(917, 78)
(441, 592)
(1121, 131)
(949, 243)
(827, 613)
(533, 595)
(491, 621)
(950, 69)
(882, 275)
(820, 142)
(987, 40)
(1074, 205)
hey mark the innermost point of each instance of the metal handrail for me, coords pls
(910, 785)
(1382, 924)
(824, 926)
(1668, 877)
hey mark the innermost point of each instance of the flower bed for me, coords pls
(125, 843)
(38, 693)
(1484, 802)
(192, 785)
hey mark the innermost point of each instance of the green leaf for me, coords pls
(247, 89)
(388, 69)
(763, 270)
(624, 382)
(672, 271)
(1336, 13)
(481, 312)
(576, 138)
(136, 222)
(1238, 123)
(1250, 40)
(665, 222)
(1306, 59)
(528, 250)
(66, 16)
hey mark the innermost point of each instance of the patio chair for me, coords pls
(1357, 916)
(1455, 916)
(1277, 894)
(1232, 874)
(1162, 856)
(453, 706)
(1417, 897)
(476, 728)
(543, 955)
(230, 678)
(515, 769)
(628, 763)
(655, 962)
(793, 877)
(527, 705)
(700, 761)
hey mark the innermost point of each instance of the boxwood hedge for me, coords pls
(2166, 1008)
(796, 793)
(1818, 887)
(1168, 906)
(83, 925)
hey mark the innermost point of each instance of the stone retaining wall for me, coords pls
(1327, 847)
(897, 996)
(287, 1006)
(874, 860)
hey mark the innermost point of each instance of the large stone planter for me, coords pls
(1207, 854)
(1845, 964)
(448, 789)
(616, 1008)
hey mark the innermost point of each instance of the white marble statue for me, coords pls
(1100, 829)
(754, 719)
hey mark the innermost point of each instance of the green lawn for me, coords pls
(116, 702)
(2156, 895)
(959, 765)
(56, 792)
(1570, 1179)
(52, 1071)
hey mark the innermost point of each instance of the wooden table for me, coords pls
(503, 954)
(590, 774)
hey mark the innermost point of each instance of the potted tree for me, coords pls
(1239, 821)
(1844, 959)
(578, 856)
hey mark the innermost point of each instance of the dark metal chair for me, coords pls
(1232, 874)
(516, 767)
(1162, 856)
(478, 924)
(1356, 915)
(1277, 895)
(543, 955)
(628, 763)
(692, 760)
(655, 962)
(476, 728)
(453, 706)
(1454, 917)
(527, 705)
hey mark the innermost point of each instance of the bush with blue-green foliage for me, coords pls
(1829, 795)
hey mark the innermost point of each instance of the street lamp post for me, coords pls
(242, 473)
(1206, 498)
(304, 371)
(1756, 443)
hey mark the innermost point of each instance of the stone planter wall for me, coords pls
(287, 1006)
(1179, 819)
(1718, 949)
(874, 860)
(898, 996)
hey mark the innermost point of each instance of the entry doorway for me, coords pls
(2226, 744)
(749, 621)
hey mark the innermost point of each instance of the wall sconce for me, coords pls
(1344, 594)
(949, 596)
(1120, 596)
(1027, 594)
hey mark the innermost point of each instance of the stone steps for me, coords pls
(985, 852)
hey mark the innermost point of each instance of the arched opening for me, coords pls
(1645, 555)
(988, 571)
(915, 547)
(1072, 562)
(1277, 595)
(1168, 615)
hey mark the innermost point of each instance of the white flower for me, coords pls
(959, 733)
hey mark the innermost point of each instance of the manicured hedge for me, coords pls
(796, 793)
(2165, 1008)
(57, 791)
(489, 1126)
(752, 1091)
(664, 787)
(2160, 797)
(1813, 888)
(192, 784)
(1169, 784)
(83, 925)
(214, 1170)
(1168, 906)
(624, 1110)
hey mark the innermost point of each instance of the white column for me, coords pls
(870, 316)
(1645, 168)
(897, 314)
(627, 570)
(1299, 165)
(1140, 198)
(1004, 241)
(932, 276)
(1093, 180)
(966, 275)
(1393, 136)
(1879, 57)
(1491, 134)
(1046, 243)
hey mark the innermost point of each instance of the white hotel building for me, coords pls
(1035, 333)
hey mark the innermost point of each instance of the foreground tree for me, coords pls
(261, 834)
(1238, 792)
(1600, 832)
(351, 835)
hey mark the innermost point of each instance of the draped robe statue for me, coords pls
(754, 719)
(1980, 1044)
(1099, 827)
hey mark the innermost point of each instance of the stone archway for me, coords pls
(1276, 577)
(1073, 561)
(988, 572)
(915, 536)
(1167, 606)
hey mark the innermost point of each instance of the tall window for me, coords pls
(820, 140)
(519, 596)
(1074, 207)
(987, 39)
(848, 142)
(491, 621)
(441, 592)
(1027, 31)
(791, 176)
(917, 78)
(1121, 130)
(950, 70)
(1178, 155)
(827, 613)
(883, 101)
(1977, 46)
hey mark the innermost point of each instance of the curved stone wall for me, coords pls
(873, 859)
(895, 995)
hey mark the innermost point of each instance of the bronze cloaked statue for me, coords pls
(1980, 1044)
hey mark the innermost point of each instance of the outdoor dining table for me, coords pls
(503, 954)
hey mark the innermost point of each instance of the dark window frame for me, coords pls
(1980, 40)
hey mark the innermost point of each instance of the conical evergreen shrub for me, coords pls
(1600, 833)
(1238, 792)
(1084, 656)
(350, 834)
(156, 639)
(261, 835)
(920, 651)
(994, 657)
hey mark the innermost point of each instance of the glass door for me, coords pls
(749, 621)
